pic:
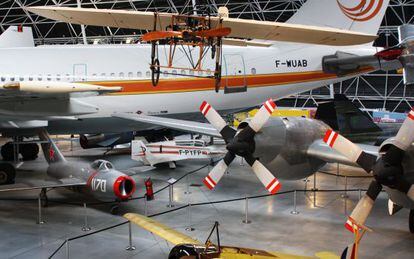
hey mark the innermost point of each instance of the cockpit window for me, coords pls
(102, 165)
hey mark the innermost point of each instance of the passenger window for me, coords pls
(103, 75)
(165, 74)
(112, 74)
(254, 71)
(174, 72)
(183, 72)
(130, 75)
(3, 79)
(200, 73)
(121, 74)
(148, 74)
(12, 79)
(58, 77)
(39, 78)
(139, 74)
(191, 73)
(49, 77)
(21, 79)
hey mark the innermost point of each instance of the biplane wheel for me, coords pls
(155, 72)
(183, 251)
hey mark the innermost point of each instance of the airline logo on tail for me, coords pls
(363, 11)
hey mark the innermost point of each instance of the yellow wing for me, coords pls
(240, 28)
(160, 230)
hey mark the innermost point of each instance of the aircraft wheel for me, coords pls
(7, 174)
(183, 251)
(155, 72)
(29, 151)
(7, 152)
(114, 210)
(411, 221)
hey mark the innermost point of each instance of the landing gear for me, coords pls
(114, 209)
(7, 151)
(7, 174)
(411, 221)
(43, 198)
(28, 151)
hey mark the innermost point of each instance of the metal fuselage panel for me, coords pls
(282, 146)
(293, 68)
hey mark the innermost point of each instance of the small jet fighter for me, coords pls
(172, 151)
(100, 179)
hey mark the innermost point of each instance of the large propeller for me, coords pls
(242, 144)
(387, 169)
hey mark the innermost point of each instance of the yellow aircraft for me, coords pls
(189, 248)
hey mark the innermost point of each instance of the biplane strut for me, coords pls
(188, 32)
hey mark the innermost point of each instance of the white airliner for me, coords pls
(118, 76)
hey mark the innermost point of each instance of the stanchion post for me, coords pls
(345, 194)
(39, 208)
(130, 247)
(145, 205)
(246, 211)
(188, 185)
(67, 248)
(294, 211)
(189, 227)
(85, 223)
(170, 196)
(314, 183)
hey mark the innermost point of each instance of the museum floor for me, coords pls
(273, 226)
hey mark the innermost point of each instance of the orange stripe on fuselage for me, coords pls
(168, 85)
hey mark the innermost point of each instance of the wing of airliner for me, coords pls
(240, 28)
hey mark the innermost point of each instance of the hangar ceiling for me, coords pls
(369, 91)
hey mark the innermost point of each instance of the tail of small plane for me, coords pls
(355, 15)
(50, 150)
(140, 152)
(17, 36)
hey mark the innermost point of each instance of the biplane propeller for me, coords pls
(204, 32)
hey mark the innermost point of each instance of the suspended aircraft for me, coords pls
(76, 89)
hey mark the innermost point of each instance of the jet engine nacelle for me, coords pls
(282, 146)
(105, 140)
(111, 185)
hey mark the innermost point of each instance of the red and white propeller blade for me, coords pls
(217, 121)
(218, 171)
(353, 152)
(270, 182)
(262, 115)
(364, 206)
(405, 135)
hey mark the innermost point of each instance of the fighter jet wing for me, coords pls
(160, 230)
(320, 150)
(69, 182)
(183, 125)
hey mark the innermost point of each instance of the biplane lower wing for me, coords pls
(240, 28)
(160, 230)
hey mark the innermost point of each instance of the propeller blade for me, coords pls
(270, 182)
(364, 206)
(262, 115)
(353, 152)
(217, 121)
(218, 171)
(405, 135)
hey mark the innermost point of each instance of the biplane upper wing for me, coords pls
(160, 230)
(240, 28)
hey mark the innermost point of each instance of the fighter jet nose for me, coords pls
(124, 187)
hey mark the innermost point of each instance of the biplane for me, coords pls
(189, 248)
(200, 36)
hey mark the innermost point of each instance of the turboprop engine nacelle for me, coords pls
(111, 185)
(282, 146)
